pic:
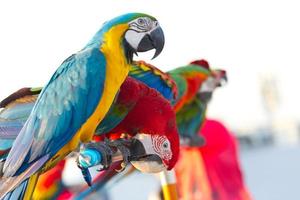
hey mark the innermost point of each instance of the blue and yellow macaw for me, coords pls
(76, 99)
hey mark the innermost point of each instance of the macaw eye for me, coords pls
(141, 21)
(165, 145)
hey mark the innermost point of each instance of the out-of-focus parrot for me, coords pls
(195, 83)
(221, 161)
(192, 180)
(50, 185)
(76, 99)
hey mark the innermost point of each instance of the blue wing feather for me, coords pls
(12, 119)
(153, 78)
(67, 101)
(190, 118)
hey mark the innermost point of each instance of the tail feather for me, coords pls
(17, 193)
(24, 190)
(11, 183)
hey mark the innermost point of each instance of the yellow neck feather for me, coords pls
(117, 69)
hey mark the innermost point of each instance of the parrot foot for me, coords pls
(123, 146)
(93, 154)
(123, 166)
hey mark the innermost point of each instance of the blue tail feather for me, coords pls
(17, 193)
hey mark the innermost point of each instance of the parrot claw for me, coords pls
(123, 166)
(86, 173)
(101, 168)
(123, 146)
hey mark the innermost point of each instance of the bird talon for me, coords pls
(123, 166)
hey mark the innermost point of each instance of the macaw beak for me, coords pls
(221, 77)
(155, 39)
(144, 157)
(149, 164)
(223, 81)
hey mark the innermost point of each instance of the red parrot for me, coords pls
(220, 157)
(148, 116)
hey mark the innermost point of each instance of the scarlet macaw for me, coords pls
(76, 99)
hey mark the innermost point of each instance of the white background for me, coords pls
(247, 38)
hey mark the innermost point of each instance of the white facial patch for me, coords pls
(146, 140)
(138, 28)
(208, 85)
(134, 38)
(162, 146)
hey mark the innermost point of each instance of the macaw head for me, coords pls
(155, 128)
(158, 152)
(217, 78)
(136, 32)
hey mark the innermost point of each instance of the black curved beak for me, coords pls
(224, 80)
(144, 162)
(153, 40)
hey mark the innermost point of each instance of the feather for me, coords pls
(189, 120)
(20, 94)
(154, 78)
(53, 126)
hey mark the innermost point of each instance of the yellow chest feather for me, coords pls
(117, 70)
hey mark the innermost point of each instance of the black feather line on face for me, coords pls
(129, 51)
